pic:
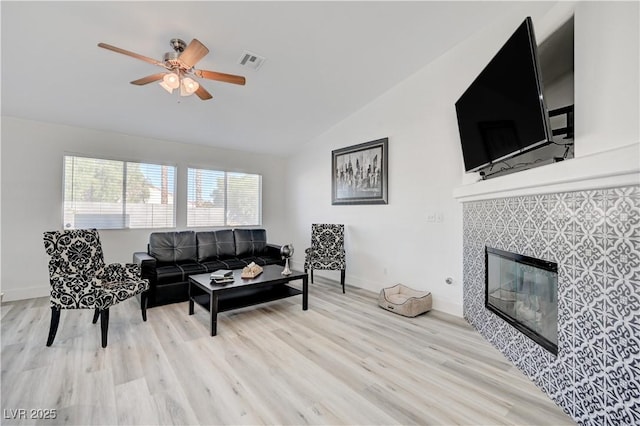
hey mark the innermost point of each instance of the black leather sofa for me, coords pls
(171, 257)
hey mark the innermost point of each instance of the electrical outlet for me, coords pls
(431, 217)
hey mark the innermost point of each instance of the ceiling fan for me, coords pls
(180, 67)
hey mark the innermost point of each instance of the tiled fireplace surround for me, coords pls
(594, 236)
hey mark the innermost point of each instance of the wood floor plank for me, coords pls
(344, 361)
(174, 408)
(135, 405)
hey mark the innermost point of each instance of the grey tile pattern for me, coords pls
(594, 236)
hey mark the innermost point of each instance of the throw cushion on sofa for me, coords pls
(250, 242)
(175, 247)
(215, 244)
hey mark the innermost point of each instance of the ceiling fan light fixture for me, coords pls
(188, 86)
(170, 81)
(166, 87)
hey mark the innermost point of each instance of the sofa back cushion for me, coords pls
(175, 247)
(215, 244)
(250, 242)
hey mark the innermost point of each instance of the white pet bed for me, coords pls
(404, 300)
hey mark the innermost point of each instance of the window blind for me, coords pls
(218, 198)
(110, 194)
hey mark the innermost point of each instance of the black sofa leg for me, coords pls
(342, 279)
(96, 314)
(104, 325)
(143, 304)
(53, 328)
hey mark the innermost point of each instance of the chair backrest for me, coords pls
(76, 251)
(327, 239)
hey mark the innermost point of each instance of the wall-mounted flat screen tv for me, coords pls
(503, 113)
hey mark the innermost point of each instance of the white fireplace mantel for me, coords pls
(614, 168)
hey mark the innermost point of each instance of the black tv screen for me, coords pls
(502, 113)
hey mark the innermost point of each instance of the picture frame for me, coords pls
(359, 174)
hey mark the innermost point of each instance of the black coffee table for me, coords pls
(269, 285)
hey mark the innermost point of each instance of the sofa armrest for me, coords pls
(141, 256)
(273, 250)
(147, 265)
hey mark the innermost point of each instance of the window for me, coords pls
(109, 194)
(217, 198)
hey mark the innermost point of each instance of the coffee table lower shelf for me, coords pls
(227, 302)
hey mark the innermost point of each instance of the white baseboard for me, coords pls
(350, 280)
(24, 293)
(449, 308)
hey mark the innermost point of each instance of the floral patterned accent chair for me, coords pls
(80, 279)
(327, 250)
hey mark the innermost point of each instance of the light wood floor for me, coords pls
(344, 361)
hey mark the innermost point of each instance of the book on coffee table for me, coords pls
(222, 280)
(222, 274)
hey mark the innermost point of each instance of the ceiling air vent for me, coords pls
(251, 60)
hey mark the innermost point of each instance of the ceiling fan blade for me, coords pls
(218, 76)
(203, 94)
(149, 79)
(193, 53)
(132, 54)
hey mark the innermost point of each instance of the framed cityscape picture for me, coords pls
(359, 174)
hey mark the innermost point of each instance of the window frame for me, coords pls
(123, 211)
(226, 198)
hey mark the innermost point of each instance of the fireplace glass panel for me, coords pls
(524, 292)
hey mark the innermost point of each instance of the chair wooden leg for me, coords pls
(104, 325)
(53, 328)
(311, 275)
(342, 279)
(143, 304)
(96, 314)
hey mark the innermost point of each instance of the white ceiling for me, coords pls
(325, 60)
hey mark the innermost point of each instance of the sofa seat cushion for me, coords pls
(214, 265)
(169, 274)
(262, 260)
(228, 263)
(239, 263)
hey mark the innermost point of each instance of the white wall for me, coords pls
(607, 61)
(395, 243)
(560, 93)
(32, 159)
(387, 244)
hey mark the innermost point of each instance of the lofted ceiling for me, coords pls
(324, 61)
